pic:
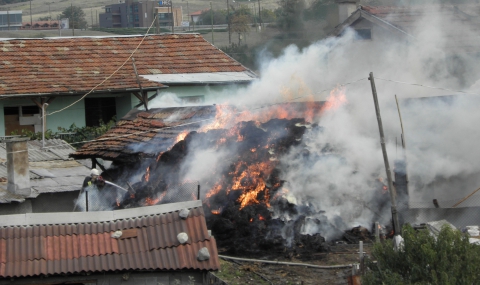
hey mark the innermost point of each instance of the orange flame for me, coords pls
(251, 220)
(336, 99)
(153, 201)
(261, 218)
(147, 174)
(255, 183)
(181, 136)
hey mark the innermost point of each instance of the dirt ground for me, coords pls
(240, 272)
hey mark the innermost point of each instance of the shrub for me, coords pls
(446, 259)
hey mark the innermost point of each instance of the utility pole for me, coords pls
(91, 15)
(8, 18)
(157, 23)
(173, 21)
(188, 15)
(31, 21)
(255, 17)
(228, 24)
(73, 21)
(259, 14)
(211, 18)
(396, 225)
(49, 14)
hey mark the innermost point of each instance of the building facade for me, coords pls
(10, 20)
(136, 14)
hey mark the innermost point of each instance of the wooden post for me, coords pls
(228, 24)
(396, 224)
(173, 21)
(211, 19)
(145, 100)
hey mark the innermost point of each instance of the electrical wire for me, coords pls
(426, 86)
(108, 77)
(195, 122)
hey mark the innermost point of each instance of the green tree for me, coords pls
(290, 15)
(76, 17)
(446, 259)
(219, 17)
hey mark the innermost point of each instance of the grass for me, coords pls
(234, 274)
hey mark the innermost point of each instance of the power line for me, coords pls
(204, 120)
(426, 86)
(108, 77)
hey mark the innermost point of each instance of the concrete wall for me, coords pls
(73, 115)
(44, 203)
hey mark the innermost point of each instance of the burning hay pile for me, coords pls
(248, 205)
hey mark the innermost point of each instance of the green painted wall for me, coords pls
(73, 115)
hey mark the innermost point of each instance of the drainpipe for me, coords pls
(44, 121)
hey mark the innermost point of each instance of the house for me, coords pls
(457, 25)
(10, 20)
(51, 183)
(165, 16)
(40, 25)
(195, 16)
(86, 79)
(165, 244)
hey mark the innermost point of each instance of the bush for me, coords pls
(446, 259)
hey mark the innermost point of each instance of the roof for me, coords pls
(51, 170)
(198, 13)
(72, 66)
(149, 132)
(142, 134)
(461, 29)
(72, 243)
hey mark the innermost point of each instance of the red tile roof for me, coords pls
(66, 66)
(149, 243)
(145, 132)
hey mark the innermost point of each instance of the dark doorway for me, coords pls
(99, 109)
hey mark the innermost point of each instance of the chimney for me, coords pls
(345, 9)
(18, 174)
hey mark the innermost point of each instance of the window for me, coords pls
(108, 10)
(364, 34)
(135, 8)
(136, 18)
(97, 109)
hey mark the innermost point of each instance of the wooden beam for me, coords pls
(145, 102)
(39, 105)
(139, 97)
(98, 163)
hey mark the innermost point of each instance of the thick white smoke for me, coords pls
(441, 136)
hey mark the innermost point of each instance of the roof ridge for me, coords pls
(54, 218)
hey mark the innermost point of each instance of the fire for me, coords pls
(336, 99)
(216, 212)
(253, 150)
(251, 220)
(118, 202)
(261, 218)
(250, 181)
(147, 174)
(153, 201)
(181, 136)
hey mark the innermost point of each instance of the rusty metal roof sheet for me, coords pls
(149, 133)
(60, 246)
(71, 66)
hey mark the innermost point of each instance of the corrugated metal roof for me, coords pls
(69, 66)
(55, 149)
(220, 77)
(27, 249)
